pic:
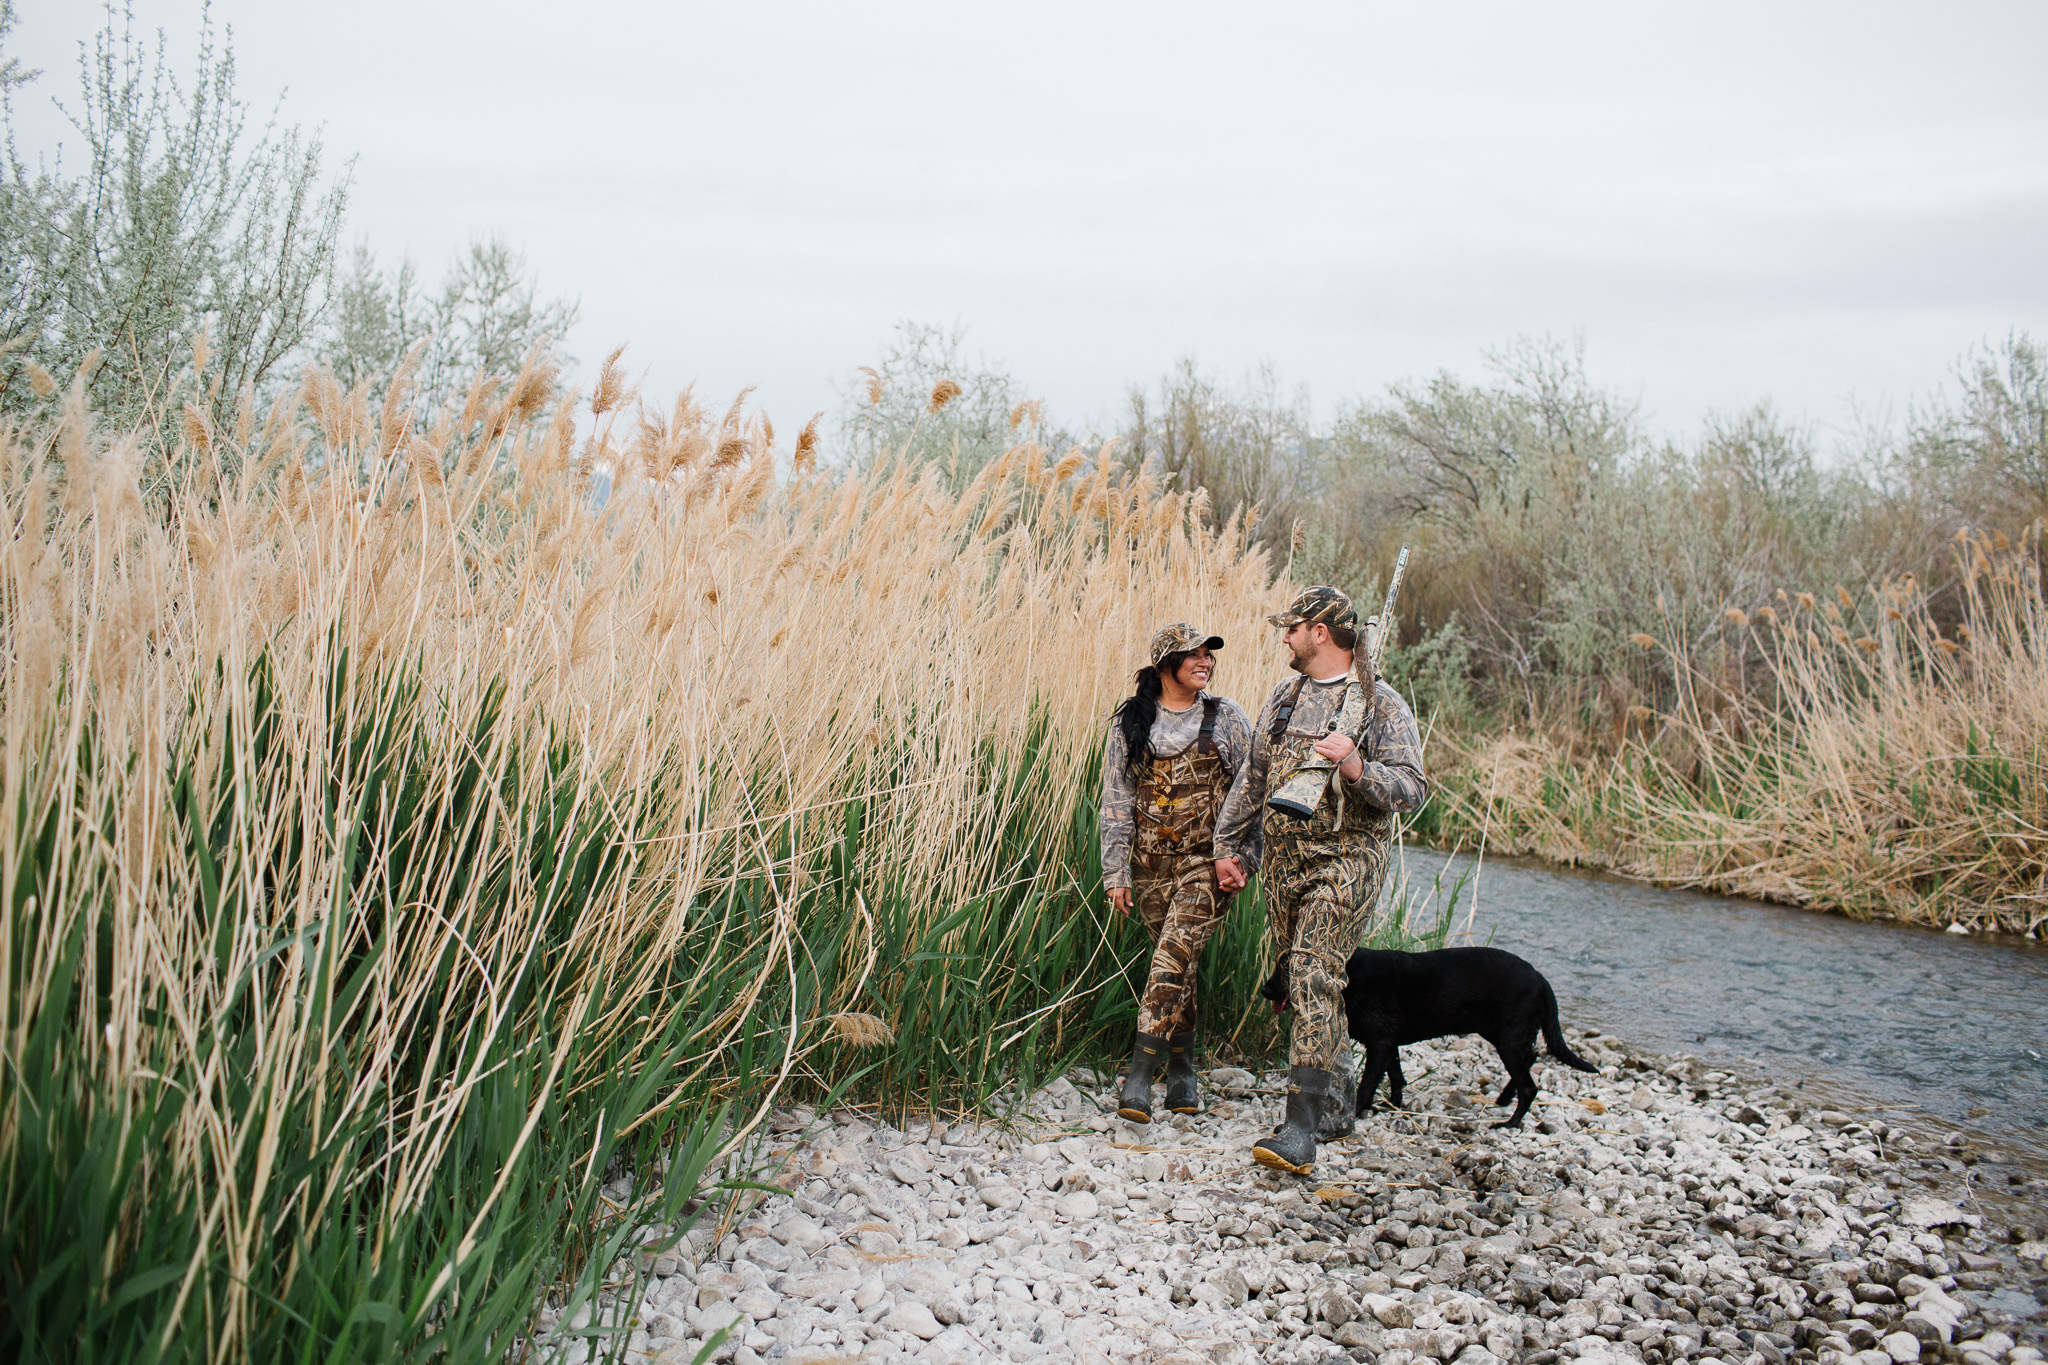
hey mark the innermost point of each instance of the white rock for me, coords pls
(1077, 1207)
(705, 1321)
(913, 1317)
(1902, 1347)
(1390, 1311)
(1002, 1197)
(1993, 1344)
(756, 1304)
(1229, 1284)
(803, 1233)
(1329, 1302)
(1935, 1213)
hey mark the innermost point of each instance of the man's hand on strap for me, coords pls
(1340, 750)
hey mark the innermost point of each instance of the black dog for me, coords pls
(1396, 998)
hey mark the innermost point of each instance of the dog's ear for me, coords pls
(1275, 988)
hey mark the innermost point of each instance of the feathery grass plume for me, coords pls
(41, 380)
(943, 392)
(805, 458)
(1736, 616)
(1767, 615)
(610, 390)
(198, 428)
(1643, 641)
(876, 385)
(861, 1030)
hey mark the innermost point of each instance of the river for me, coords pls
(1948, 1030)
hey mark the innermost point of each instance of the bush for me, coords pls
(180, 228)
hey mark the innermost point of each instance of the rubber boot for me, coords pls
(1135, 1104)
(1182, 1094)
(1340, 1108)
(1293, 1148)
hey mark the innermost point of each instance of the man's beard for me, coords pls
(1297, 660)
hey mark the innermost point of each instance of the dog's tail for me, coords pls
(1553, 1038)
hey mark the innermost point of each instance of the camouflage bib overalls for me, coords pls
(1173, 873)
(1322, 878)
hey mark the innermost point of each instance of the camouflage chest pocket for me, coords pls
(1179, 800)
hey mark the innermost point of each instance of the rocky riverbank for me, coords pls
(1659, 1211)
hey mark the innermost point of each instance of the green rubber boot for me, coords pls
(1182, 1085)
(1135, 1104)
(1293, 1148)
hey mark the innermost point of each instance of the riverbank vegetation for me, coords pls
(1737, 661)
(1731, 662)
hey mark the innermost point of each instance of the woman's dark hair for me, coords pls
(1135, 715)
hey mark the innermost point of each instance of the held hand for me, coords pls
(1339, 748)
(1120, 899)
(1230, 876)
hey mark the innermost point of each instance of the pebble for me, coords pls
(1661, 1211)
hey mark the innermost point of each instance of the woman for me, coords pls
(1174, 753)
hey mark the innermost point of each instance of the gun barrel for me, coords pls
(1379, 635)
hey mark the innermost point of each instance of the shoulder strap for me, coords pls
(1284, 712)
(1206, 741)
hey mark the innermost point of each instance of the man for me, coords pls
(1323, 872)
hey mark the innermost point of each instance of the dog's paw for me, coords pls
(1506, 1123)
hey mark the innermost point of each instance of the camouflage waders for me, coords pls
(1323, 878)
(1173, 875)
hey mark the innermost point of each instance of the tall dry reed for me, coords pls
(402, 825)
(1880, 767)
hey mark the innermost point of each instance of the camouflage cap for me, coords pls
(1180, 637)
(1322, 604)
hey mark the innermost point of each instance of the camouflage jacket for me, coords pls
(1172, 731)
(1391, 781)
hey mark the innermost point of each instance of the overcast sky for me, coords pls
(1810, 202)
